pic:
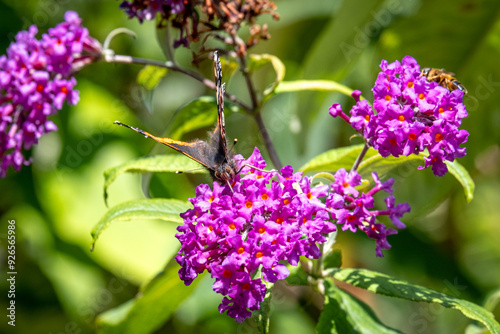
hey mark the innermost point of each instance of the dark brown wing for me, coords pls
(219, 141)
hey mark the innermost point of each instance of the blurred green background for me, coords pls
(449, 246)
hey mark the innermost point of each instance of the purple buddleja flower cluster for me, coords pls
(36, 78)
(409, 115)
(266, 220)
(192, 18)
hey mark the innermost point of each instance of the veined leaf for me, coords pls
(392, 287)
(384, 165)
(343, 313)
(150, 76)
(335, 159)
(158, 208)
(197, 114)
(317, 85)
(158, 163)
(155, 303)
(463, 176)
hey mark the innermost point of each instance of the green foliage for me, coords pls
(343, 313)
(157, 208)
(155, 303)
(150, 76)
(328, 49)
(159, 163)
(389, 286)
(257, 61)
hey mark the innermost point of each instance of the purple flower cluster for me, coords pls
(266, 219)
(409, 115)
(147, 10)
(36, 78)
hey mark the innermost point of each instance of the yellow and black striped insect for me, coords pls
(443, 78)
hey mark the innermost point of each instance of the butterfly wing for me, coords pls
(219, 142)
(199, 150)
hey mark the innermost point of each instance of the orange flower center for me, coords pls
(286, 201)
(438, 137)
(232, 226)
(259, 255)
(409, 84)
(309, 195)
(401, 118)
(241, 250)
(262, 230)
(64, 90)
(367, 118)
(39, 88)
(345, 184)
(279, 220)
(264, 196)
(421, 96)
(412, 136)
(387, 97)
(441, 110)
(249, 204)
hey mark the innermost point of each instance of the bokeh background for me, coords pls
(449, 245)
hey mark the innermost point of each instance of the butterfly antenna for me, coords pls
(234, 144)
(253, 167)
(230, 187)
(142, 132)
(187, 171)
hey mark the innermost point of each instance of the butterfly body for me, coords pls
(212, 154)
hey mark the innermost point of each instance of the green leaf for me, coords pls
(343, 313)
(333, 259)
(463, 176)
(197, 114)
(150, 76)
(257, 61)
(388, 286)
(164, 209)
(154, 305)
(159, 163)
(384, 165)
(315, 85)
(335, 159)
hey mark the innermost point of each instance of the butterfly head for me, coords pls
(225, 172)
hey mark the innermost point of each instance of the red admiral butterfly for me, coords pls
(212, 154)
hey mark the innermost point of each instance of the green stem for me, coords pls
(360, 157)
(110, 57)
(267, 141)
(264, 311)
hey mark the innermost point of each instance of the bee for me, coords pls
(443, 78)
